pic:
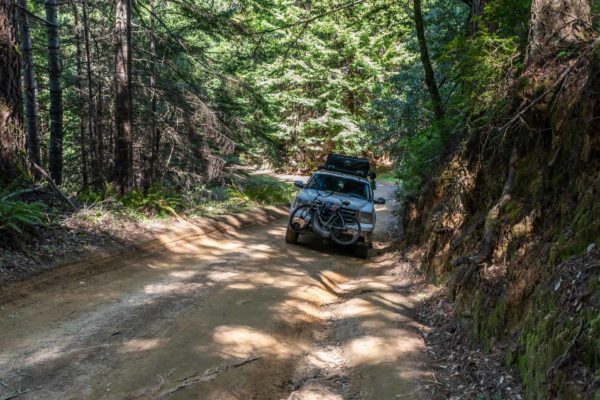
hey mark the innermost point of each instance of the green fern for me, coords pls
(18, 217)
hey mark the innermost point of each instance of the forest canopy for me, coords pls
(143, 92)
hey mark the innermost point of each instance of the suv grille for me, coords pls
(348, 212)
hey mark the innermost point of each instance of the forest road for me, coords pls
(241, 315)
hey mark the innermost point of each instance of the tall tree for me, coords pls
(123, 106)
(432, 86)
(12, 139)
(93, 131)
(29, 85)
(82, 97)
(54, 77)
(557, 24)
(154, 131)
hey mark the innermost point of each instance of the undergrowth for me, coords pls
(20, 219)
(242, 194)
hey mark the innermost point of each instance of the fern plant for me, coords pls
(18, 217)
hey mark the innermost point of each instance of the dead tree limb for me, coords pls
(55, 188)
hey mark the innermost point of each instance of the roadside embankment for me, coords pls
(137, 241)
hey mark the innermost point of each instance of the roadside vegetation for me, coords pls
(25, 219)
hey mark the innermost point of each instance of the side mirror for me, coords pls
(299, 184)
(379, 200)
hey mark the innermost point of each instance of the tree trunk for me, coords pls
(155, 133)
(56, 130)
(432, 86)
(123, 112)
(93, 131)
(12, 139)
(29, 85)
(82, 99)
(475, 14)
(557, 24)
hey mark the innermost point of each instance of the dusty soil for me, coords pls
(230, 315)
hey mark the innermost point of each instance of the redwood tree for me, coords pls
(557, 24)
(123, 106)
(29, 85)
(12, 139)
(54, 77)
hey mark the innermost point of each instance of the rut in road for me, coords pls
(238, 315)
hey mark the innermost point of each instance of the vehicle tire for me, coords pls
(361, 251)
(300, 218)
(291, 236)
(345, 237)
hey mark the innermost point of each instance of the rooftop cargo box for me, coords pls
(349, 165)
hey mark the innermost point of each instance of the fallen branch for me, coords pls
(52, 184)
(24, 191)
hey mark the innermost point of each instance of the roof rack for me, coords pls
(347, 165)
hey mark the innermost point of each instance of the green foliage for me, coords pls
(261, 189)
(545, 340)
(156, 201)
(17, 217)
(245, 194)
(472, 70)
(418, 157)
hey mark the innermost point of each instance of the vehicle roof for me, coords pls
(343, 175)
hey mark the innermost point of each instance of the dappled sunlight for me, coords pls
(223, 275)
(355, 308)
(372, 349)
(44, 355)
(294, 310)
(373, 324)
(259, 247)
(334, 277)
(276, 231)
(241, 286)
(364, 285)
(136, 345)
(238, 341)
(173, 288)
(185, 274)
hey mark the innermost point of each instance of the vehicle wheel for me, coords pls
(362, 251)
(345, 230)
(291, 236)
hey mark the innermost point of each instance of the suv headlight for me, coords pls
(365, 217)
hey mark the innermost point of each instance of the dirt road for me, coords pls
(239, 315)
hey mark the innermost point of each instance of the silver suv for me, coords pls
(348, 186)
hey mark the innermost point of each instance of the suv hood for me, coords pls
(355, 203)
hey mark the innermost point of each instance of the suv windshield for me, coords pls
(332, 183)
